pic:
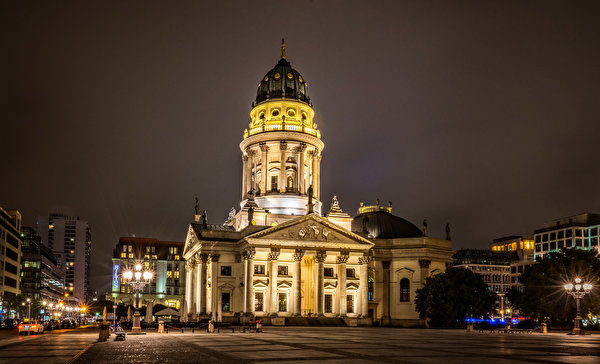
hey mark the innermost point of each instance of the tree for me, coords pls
(447, 299)
(542, 294)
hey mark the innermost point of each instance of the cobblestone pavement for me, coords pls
(357, 345)
(48, 348)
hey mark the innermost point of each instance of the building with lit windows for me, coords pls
(70, 239)
(579, 231)
(10, 252)
(493, 266)
(41, 276)
(163, 258)
(280, 257)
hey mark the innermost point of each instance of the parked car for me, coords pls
(31, 327)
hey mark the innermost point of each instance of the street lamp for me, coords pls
(137, 280)
(28, 308)
(578, 291)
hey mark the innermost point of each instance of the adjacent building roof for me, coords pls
(383, 225)
(481, 256)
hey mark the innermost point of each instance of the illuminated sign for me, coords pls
(115, 283)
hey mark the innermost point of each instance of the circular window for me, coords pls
(299, 79)
(261, 116)
(290, 76)
(277, 76)
(266, 78)
(275, 112)
(303, 116)
(291, 112)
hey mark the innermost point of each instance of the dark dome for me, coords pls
(383, 225)
(282, 81)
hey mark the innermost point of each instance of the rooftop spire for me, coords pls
(282, 48)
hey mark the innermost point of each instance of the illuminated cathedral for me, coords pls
(280, 257)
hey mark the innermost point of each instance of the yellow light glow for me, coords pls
(577, 280)
(569, 286)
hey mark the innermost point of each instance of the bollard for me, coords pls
(161, 327)
(211, 326)
(192, 330)
(544, 328)
(469, 327)
(182, 330)
(103, 334)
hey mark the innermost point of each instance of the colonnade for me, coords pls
(307, 167)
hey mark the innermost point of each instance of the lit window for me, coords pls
(350, 303)
(282, 270)
(226, 270)
(404, 290)
(258, 301)
(177, 257)
(130, 255)
(176, 274)
(169, 274)
(282, 302)
(259, 269)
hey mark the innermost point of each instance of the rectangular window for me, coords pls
(579, 242)
(225, 301)
(226, 270)
(282, 270)
(569, 233)
(569, 243)
(130, 248)
(282, 302)
(578, 232)
(328, 272)
(130, 255)
(350, 303)
(538, 239)
(538, 248)
(274, 183)
(545, 237)
(258, 301)
(553, 245)
(124, 248)
(561, 244)
(176, 274)
(259, 269)
(552, 236)
(561, 234)
(350, 272)
(169, 274)
(594, 231)
(545, 246)
(328, 303)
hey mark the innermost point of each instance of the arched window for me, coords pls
(404, 290)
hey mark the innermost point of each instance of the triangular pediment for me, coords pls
(190, 241)
(312, 229)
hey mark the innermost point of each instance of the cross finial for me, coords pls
(282, 48)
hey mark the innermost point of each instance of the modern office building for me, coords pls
(163, 258)
(579, 231)
(10, 252)
(70, 239)
(523, 247)
(493, 266)
(42, 278)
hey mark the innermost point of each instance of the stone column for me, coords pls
(198, 283)
(244, 175)
(315, 174)
(320, 259)
(249, 281)
(273, 307)
(301, 150)
(297, 308)
(202, 283)
(342, 294)
(189, 288)
(317, 177)
(424, 264)
(214, 288)
(364, 282)
(282, 179)
(264, 167)
(385, 299)
(250, 184)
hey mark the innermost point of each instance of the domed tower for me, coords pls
(282, 146)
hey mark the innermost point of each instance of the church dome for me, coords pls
(379, 222)
(282, 82)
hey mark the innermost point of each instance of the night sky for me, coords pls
(481, 114)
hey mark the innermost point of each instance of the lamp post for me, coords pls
(578, 291)
(137, 280)
(28, 308)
